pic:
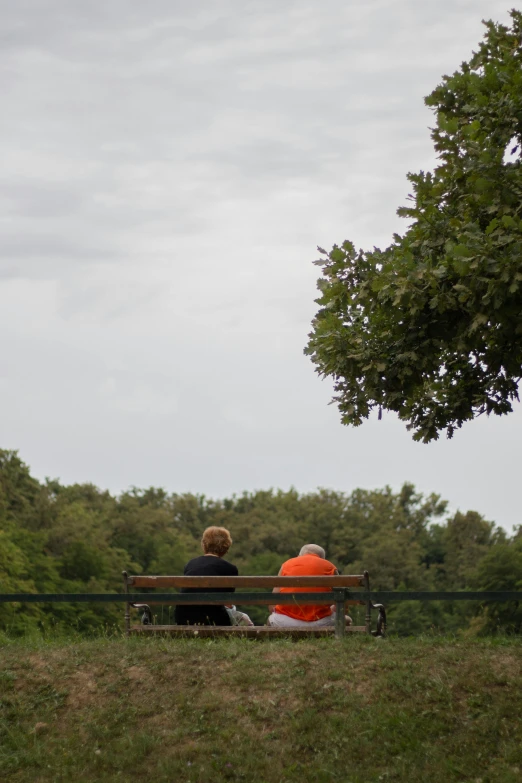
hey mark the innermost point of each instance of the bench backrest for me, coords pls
(247, 581)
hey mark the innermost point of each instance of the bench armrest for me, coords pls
(146, 618)
(381, 620)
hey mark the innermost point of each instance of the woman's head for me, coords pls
(216, 541)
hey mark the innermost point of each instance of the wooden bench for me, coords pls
(339, 593)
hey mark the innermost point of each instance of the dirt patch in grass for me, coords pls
(38, 662)
(506, 665)
(138, 674)
(82, 689)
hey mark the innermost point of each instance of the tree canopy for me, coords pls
(431, 327)
(78, 539)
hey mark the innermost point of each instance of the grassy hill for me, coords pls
(209, 711)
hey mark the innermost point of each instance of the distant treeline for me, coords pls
(78, 538)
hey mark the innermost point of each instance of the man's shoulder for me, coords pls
(327, 568)
(290, 562)
(331, 566)
(315, 565)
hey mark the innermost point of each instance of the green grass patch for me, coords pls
(205, 711)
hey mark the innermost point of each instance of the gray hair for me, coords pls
(312, 549)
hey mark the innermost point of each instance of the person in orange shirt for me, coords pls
(311, 561)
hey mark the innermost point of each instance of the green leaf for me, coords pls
(378, 284)
(461, 250)
(452, 126)
(508, 221)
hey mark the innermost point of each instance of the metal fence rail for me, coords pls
(387, 596)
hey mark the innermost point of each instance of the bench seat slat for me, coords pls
(246, 581)
(245, 599)
(261, 631)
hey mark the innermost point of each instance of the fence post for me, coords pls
(340, 622)
(127, 605)
(368, 604)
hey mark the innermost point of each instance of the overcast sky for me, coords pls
(167, 171)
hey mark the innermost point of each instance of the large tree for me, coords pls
(431, 327)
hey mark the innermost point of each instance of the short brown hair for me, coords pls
(216, 541)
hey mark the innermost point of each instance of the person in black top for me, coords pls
(216, 542)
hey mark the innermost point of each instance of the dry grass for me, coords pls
(210, 711)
